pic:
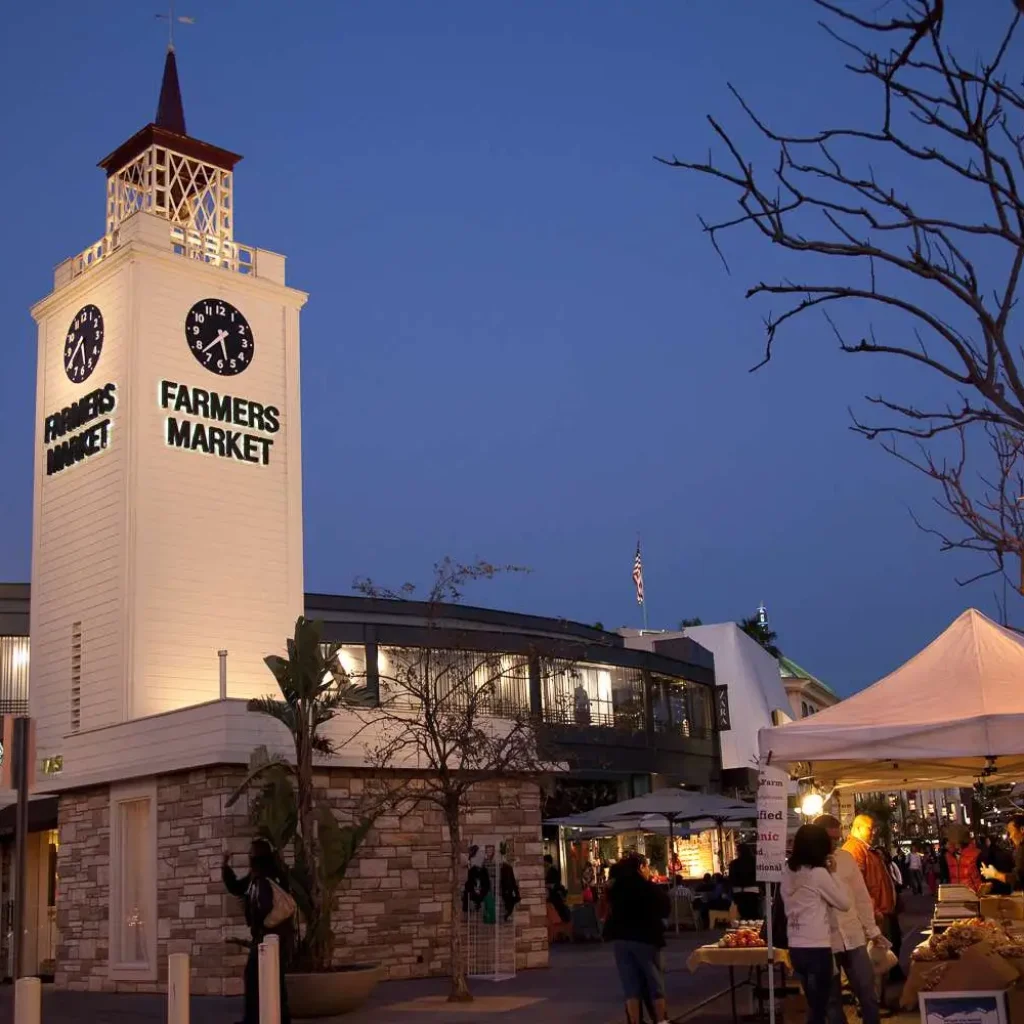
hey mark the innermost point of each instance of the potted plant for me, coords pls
(287, 810)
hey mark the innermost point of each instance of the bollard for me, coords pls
(270, 982)
(28, 1001)
(177, 989)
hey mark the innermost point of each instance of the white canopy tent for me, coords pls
(952, 714)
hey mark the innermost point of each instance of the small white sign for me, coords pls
(772, 808)
(963, 1007)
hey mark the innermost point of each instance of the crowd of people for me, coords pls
(840, 902)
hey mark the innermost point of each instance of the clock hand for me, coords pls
(78, 348)
(219, 340)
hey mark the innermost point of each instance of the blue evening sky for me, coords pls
(518, 343)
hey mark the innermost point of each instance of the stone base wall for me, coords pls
(393, 907)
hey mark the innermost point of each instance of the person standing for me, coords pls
(915, 865)
(852, 931)
(746, 893)
(636, 928)
(256, 889)
(1014, 878)
(810, 890)
(872, 867)
(962, 857)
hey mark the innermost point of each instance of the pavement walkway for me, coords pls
(580, 987)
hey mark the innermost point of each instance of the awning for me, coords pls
(42, 816)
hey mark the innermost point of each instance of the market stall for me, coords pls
(953, 715)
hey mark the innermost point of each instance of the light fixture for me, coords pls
(812, 804)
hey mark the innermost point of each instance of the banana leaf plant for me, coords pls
(284, 806)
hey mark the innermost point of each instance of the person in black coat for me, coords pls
(257, 894)
(636, 926)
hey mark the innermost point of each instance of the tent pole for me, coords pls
(771, 959)
(671, 876)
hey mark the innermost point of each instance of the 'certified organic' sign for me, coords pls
(772, 794)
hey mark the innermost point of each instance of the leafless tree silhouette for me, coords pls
(869, 237)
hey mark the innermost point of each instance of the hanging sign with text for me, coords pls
(772, 809)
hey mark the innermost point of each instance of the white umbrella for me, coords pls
(675, 806)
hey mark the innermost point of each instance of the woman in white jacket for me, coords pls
(809, 889)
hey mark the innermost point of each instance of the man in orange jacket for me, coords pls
(872, 866)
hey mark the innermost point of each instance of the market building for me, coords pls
(167, 562)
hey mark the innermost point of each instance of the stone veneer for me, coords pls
(393, 906)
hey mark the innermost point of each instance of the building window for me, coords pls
(803, 709)
(133, 924)
(603, 695)
(680, 707)
(13, 675)
(501, 680)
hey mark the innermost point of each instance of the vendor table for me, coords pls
(753, 958)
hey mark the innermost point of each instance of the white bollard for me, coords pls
(177, 989)
(270, 983)
(28, 1001)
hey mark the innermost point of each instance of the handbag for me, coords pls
(283, 908)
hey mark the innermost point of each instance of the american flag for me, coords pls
(638, 575)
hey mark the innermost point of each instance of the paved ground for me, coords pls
(580, 987)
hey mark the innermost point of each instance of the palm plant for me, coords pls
(285, 808)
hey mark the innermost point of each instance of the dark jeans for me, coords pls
(814, 968)
(860, 972)
(917, 882)
(252, 987)
(748, 905)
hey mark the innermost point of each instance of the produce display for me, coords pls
(742, 938)
(969, 932)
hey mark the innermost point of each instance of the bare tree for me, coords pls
(455, 717)
(846, 202)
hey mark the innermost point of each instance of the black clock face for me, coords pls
(83, 343)
(219, 337)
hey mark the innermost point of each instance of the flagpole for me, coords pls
(638, 580)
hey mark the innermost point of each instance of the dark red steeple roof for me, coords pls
(170, 113)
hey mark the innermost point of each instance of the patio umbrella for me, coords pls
(676, 806)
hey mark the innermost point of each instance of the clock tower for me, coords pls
(167, 490)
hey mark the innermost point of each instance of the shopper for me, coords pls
(556, 891)
(876, 875)
(962, 856)
(852, 931)
(636, 927)
(809, 889)
(264, 892)
(746, 893)
(915, 864)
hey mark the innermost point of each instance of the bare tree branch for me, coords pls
(824, 200)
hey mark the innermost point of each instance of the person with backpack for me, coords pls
(269, 909)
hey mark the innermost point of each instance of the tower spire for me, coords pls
(170, 113)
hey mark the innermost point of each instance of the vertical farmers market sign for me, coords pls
(772, 799)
